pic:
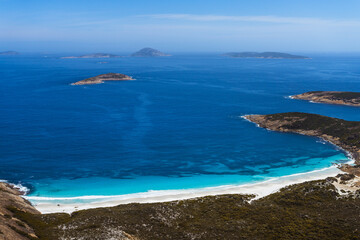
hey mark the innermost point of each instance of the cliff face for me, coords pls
(345, 134)
(12, 228)
(330, 97)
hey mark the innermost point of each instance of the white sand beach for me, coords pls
(260, 189)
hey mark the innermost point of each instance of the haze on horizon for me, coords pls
(180, 26)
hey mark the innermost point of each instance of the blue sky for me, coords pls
(180, 26)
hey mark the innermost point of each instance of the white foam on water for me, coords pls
(18, 186)
(245, 118)
(260, 189)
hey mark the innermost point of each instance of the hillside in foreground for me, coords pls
(311, 210)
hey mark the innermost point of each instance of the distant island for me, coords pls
(94, 55)
(9, 53)
(331, 97)
(104, 77)
(270, 55)
(149, 52)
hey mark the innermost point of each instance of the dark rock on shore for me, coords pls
(11, 227)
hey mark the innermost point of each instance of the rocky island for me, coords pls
(149, 52)
(9, 53)
(331, 97)
(104, 77)
(94, 55)
(267, 55)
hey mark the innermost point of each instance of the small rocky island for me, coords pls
(267, 55)
(94, 55)
(331, 97)
(149, 52)
(9, 53)
(104, 77)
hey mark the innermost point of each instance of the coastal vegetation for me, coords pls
(310, 210)
(10, 226)
(345, 134)
(331, 97)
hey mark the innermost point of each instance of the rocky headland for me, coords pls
(342, 133)
(267, 55)
(104, 77)
(149, 52)
(94, 55)
(11, 227)
(331, 97)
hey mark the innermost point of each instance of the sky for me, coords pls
(180, 25)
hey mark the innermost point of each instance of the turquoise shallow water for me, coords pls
(108, 186)
(178, 126)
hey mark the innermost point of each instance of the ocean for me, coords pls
(177, 126)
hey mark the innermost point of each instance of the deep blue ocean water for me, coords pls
(177, 126)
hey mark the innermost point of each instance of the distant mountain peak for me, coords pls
(149, 52)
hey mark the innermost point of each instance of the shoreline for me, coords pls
(259, 189)
(351, 99)
(350, 151)
(348, 154)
